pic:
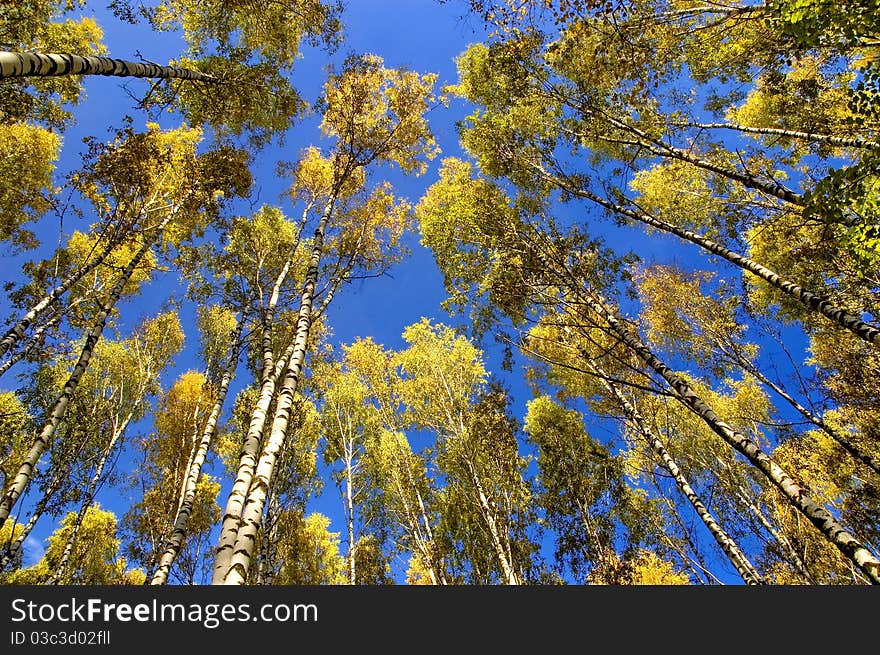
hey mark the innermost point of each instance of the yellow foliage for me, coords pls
(27, 161)
(677, 192)
(417, 573)
(805, 99)
(94, 559)
(308, 551)
(372, 230)
(649, 569)
(378, 113)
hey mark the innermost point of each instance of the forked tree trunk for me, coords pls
(501, 555)
(417, 526)
(247, 463)
(246, 501)
(272, 371)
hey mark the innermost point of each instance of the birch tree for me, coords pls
(572, 273)
(123, 180)
(374, 115)
(97, 560)
(128, 380)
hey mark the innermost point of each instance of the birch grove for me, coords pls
(587, 295)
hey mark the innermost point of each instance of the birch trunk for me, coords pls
(16, 332)
(820, 517)
(58, 478)
(727, 544)
(54, 320)
(59, 410)
(422, 543)
(349, 511)
(243, 547)
(247, 463)
(791, 556)
(792, 134)
(34, 64)
(494, 532)
(174, 543)
(818, 421)
(15, 547)
(749, 181)
(865, 331)
(269, 319)
(253, 439)
(89, 498)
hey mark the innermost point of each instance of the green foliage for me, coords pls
(257, 100)
(275, 32)
(811, 23)
(583, 491)
(848, 201)
(477, 241)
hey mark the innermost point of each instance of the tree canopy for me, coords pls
(587, 297)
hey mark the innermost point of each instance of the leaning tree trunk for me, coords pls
(820, 517)
(59, 410)
(812, 301)
(89, 498)
(662, 149)
(727, 544)
(812, 137)
(789, 555)
(16, 332)
(34, 64)
(241, 550)
(56, 482)
(854, 451)
(32, 342)
(268, 542)
(174, 543)
(12, 551)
